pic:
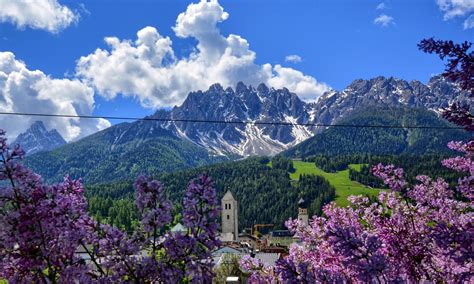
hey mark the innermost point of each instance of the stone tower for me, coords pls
(230, 222)
(303, 212)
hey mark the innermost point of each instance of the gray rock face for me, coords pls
(245, 103)
(435, 96)
(264, 104)
(38, 139)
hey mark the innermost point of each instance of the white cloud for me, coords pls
(24, 90)
(297, 82)
(469, 22)
(458, 8)
(384, 20)
(148, 69)
(38, 14)
(200, 22)
(455, 8)
(381, 6)
(293, 58)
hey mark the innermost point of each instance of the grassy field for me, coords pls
(340, 180)
(356, 167)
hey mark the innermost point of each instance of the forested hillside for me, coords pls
(120, 152)
(265, 194)
(336, 141)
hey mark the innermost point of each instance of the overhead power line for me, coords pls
(277, 123)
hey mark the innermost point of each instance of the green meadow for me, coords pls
(340, 180)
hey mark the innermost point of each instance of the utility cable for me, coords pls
(276, 123)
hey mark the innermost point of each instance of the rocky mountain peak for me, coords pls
(241, 88)
(216, 88)
(38, 139)
(263, 89)
(38, 126)
(244, 103)
(229, 90)
(435, 95)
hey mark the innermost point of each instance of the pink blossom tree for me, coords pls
(43, 226)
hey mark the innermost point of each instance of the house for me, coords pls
(179, 228)
(252, 241)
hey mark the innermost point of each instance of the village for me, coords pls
(259, 242)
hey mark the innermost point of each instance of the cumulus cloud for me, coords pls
(381, 6)
(147, 68)
(384, 20)
(38, 14)
(293, 58)
(458, 8)
(296, 81)
(24, 90)
(455, 8)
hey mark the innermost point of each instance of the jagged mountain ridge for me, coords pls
(245, 103)
(38, 139)
(392, 92)
(264, 104)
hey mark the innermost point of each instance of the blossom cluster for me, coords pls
(261, 273)
(48, 237)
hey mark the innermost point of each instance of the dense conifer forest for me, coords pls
(257, 186)
(337, 141)
(265, 194)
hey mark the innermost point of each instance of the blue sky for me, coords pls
(337, 41)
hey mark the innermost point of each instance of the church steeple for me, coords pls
(303, 212)
(230, 223)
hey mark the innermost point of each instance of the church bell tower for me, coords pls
(303, 212)
(230, 222)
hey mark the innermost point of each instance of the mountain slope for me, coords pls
(120, 152)
(38, 139)
(381, 141)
